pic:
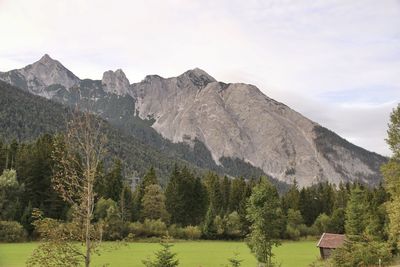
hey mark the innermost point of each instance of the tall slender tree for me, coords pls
(265, 215)
(391, 173)
(77, 156)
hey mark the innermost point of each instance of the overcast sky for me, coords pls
(336, 62)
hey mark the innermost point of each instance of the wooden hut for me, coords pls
(329, 242)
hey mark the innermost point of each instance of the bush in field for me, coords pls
(149, 228)
(115, 230)
(192, 232)
(11, 231)
(176, 232)
(233, 226)
(292, 233)
(294, 220)
(108, 214)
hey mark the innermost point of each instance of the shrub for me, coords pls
(176, 231)
(307, 231)
(11, 231)
(234, 225)
(192, 232)
(149, 228)
(115, 230)
(292, 233)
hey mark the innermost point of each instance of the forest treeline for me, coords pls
(190, 205)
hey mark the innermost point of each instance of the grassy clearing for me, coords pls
(190, 254)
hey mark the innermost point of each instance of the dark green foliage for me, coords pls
(126, 204)
(337, 220)
(212, 182)
(114, 182)
(356, 213)
(25, 117)
(209, 228)
(225, 194)
(315, 200)
(291, 200)
(186, 197)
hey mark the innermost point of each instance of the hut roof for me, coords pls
(328, 240)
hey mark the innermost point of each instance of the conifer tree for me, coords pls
(153, 203)
(150, 178)
(356, 213)
(214, 192)
(164, 258)
(114, 181)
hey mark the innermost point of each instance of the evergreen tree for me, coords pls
(237, 194)
(164, 258)
(186, 197)
(209, 228)
(114, 181)
(174, 199)
(291, 199)
(355, 213)
(336, 224)
(225, 193)
(150, 178)
(153, 203)
(214, 192)
(126, 202)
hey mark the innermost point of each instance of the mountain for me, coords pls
(227, 122)
(25, 117)
(38, 77)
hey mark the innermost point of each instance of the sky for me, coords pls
(335, 61)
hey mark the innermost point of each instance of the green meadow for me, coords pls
(190, 254)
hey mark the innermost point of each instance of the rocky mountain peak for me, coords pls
(115, 82)
(46, 59)
(37, 77)
(197, 76)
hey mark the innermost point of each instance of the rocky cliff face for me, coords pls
(231, 120)
(238, 120)
(115, 82)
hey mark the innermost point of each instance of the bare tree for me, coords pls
(77, 156)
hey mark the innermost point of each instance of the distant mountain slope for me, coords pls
(24, 116)
(234, 122)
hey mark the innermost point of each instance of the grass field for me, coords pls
(190, 254)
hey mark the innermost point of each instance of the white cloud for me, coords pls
(311, 55)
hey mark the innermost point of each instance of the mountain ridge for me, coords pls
(232, 120)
